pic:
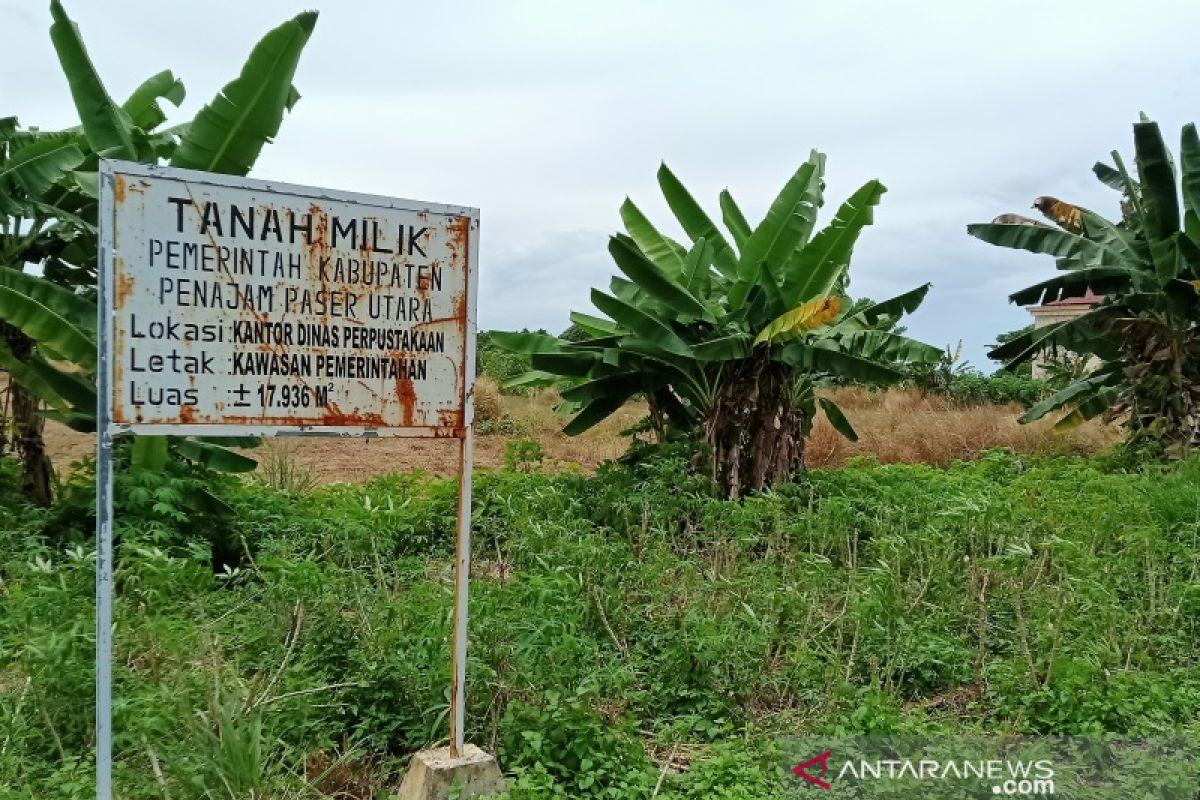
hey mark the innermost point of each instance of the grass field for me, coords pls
(626, 628)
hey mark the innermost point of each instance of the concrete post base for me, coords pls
(433, 772)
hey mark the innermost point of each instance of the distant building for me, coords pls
(1059, 311)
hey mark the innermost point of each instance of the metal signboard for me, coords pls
(233, 307)
(239, 306)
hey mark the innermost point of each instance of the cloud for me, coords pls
(536, 284)
(547, 114)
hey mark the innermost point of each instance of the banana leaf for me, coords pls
(72, 387)
(1118, 240)
(621, 384)
(1089, 407)
(525, 342)
(1108, 176)
(1088, 334)
(783, 229)
(697, 270)
(593, 414)
(104, 125)
(228, 134)
(894, 307)
(213, 456)
(818, 268)
(1048, 241)
(1077, 283)
(802, 318)
(1072, 393)
(593, 326)
(532, 379)
(695, 221)
(837, 419)
(43, 325)
(652, 280)
(142, 106)
(726, 348)
(80, 310)
(36, 167)
(888, 346)
(835, 362)
(734, 219)
(21, 373)
(666, 254)
(149, 453)
(641, 323)
(1189, 163)
(577, 365)
(1156, 175)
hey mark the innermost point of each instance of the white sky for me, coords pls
(546, 114)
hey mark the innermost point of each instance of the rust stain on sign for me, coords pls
(124, 284)
(335, 417)
(235, 303)
(407, 396)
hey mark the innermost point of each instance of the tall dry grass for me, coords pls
(894, 426)
(537, 419)
(488, 404)
(904, 426)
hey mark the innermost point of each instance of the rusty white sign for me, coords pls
(235, 306)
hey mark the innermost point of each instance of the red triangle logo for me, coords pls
(823, 760)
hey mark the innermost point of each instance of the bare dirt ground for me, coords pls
(894, 426)
(330, 460)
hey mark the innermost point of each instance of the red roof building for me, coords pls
(1088, 299)
(1060, 311)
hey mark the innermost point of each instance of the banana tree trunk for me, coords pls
(755, 430)
(1163, 398)
(27, 423)
(5, 405)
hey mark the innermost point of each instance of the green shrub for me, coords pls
(613, 618)
(523, 454)
(499, 365)
(736, 770)
(585, 755)
(504, 425)
(973, 388)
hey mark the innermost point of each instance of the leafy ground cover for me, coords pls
(626, 628)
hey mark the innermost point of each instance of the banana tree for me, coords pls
(48, 208)
(729, 337)
(1144, 337)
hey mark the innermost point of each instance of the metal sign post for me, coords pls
(104, 513)
(462, 573)
(238, 307)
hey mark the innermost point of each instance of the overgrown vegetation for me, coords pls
(729, 342)
(975, 388)
(620, 622)
(499, 364)
(634, 633)
(1145, 331)
(49, 185)
(953, 377)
